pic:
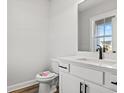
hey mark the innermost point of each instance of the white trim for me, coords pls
(92, 24)
(80, 1)
(77, 2)
(21, 85)
(104, 15)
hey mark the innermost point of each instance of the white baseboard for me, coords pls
(21, 85)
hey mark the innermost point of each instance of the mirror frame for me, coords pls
(92, 20)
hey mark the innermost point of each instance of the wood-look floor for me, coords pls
(31, 89)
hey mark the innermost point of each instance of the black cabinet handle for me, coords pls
(81, 87)
(114, 83)
(63, 67)
(86, 88)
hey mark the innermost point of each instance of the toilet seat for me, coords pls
(50, 75)
(46, 78)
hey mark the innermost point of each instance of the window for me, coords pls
(103, 34)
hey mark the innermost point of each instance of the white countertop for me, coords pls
(105, 65)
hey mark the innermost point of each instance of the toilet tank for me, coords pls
(55, 65)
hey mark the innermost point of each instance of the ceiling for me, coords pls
(89, 3)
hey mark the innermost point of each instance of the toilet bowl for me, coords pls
(46, 82)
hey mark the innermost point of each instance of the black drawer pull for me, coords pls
(114, 83)
(63, 67)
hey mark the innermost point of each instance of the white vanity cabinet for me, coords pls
(73, 84)
(78, 79)
(93, 88)
(69, 83)
(110, 81)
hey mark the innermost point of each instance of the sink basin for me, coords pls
(88, 59)
(93, 61)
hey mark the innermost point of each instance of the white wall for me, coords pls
(36, 33)
(27, 39)
(84, 22)
(63, 28)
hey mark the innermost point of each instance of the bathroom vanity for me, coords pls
(87, 75)
(96, 70)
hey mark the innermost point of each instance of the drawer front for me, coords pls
(111, 81)
(87, 74)
(64, 67)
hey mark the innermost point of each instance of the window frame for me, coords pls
(104, 36)
(93, 26)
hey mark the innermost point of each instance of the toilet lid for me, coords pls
(50, 75)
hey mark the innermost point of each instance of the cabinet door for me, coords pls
(69, 83)
(93, 88)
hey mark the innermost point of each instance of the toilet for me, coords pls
(48, 79)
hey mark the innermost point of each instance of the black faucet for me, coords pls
(100, 51)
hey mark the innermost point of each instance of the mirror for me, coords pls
(97, 25)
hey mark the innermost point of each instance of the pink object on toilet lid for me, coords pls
(45, 75)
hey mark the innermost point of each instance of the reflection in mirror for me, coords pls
(102, 33)
(97, 25)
